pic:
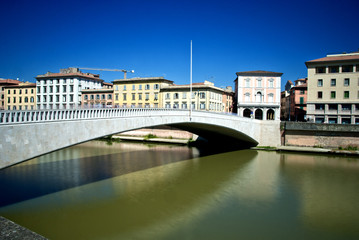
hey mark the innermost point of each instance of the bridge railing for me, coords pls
(30, 116)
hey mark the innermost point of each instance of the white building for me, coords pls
(258, 94)
(63, 90)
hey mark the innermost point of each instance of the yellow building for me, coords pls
(139, 92)
(4, 83)
(20, 97)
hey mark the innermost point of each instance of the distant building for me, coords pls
(258, 94)
(285, 101)
(98, 98)
(139, 92)
(205, 96)
(333, 89)
(5, 83)
(298, 100)
(63, 90)
(20, 97)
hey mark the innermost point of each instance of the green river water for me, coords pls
(137, 191)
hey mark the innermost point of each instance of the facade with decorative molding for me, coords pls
(258, 94)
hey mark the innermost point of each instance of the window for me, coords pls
(26, 99)
(116, 97)
(14, 101)
(320, 95)
(156, 87)
(248, 82)
(202, 105)
(71, 88)
(86, 97)
(140, 96)
(347, 68)
(333, 82)
(92, 97)
(156, 97)
(147, 96)
(147, 87)
(332, 94)
(32, 99)
(57, 89)
(333, 107)
(124, 87)
(259, 82)
(271, 83)
(270, 98)
(133, 87)
(14, 91)
(333, 69)
(202, 95)
(175, 96)
(97, 96)
(247, 97)
(346, 82)
(64, 98)
(346, 107)
(301, 91)
(184, 95)
(103, 97)
(133, 96)
(319, 106)
(168, 96)
(20, 91)
(301, 100)
(71, 97)
(320, 70)
(346, 94)
(184, 106)
(139, 87)
(63, 88)
(320, 82)
(124, 97)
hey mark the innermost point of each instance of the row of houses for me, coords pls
(329, 94)
(257, 93)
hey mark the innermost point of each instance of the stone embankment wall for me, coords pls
(161, 132)
(319, 135)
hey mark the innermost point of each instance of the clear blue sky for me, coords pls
(153, 37)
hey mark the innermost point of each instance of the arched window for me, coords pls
(270, 114)
(259, 114)
(26, 99)
(247, 113)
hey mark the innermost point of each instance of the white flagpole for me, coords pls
(190, 96)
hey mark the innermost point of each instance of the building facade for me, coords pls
(258, 94)
(205, 96)
(4, 83)
(63, 90)
(20, 97)
(97, 98)
(139, 92)
(333, 89)
(298, 101)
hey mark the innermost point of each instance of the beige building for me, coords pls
(205, 96)
(97, 98)
(4, 83)
(139, 92)
(333, 89)
(20, 97)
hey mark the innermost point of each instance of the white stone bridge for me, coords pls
(28, 134)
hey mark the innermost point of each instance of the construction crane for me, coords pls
(111, 70)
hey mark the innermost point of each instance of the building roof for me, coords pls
(138, 79)
(24, 85)
(259, 73)
(69, 75)
(336, 58)
(99, 90)
(195, 86)
(9, 81)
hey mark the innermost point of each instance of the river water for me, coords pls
(137, 191)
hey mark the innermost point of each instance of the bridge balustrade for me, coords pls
(27, 116)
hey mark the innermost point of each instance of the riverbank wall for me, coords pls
(335, 136)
